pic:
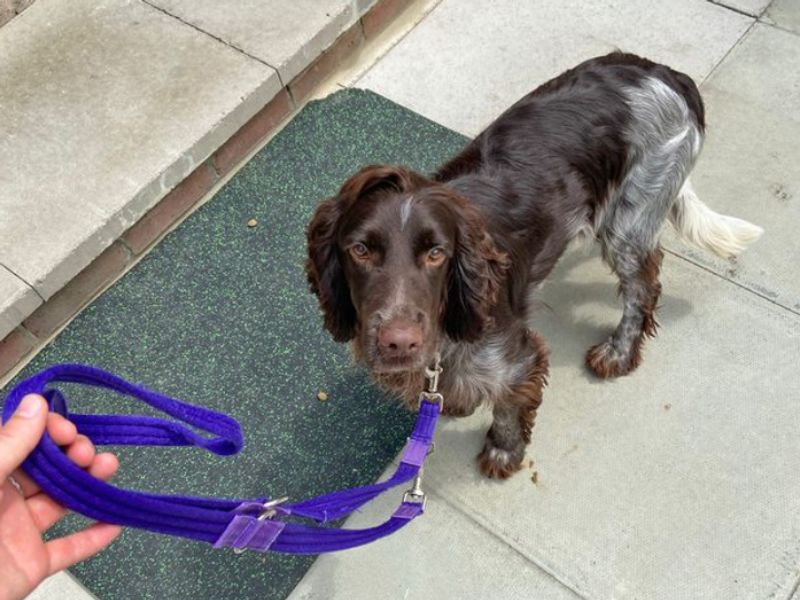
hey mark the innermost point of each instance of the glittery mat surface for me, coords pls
(219, 314)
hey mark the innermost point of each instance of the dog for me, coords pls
(405, 265)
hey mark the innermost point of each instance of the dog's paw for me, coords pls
(497, 463)
(606, 361)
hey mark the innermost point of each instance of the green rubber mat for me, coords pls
(219, 314)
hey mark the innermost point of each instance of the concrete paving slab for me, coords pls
(443, 554)
(102, 118)
(61, 586)
(785, 14)
(287, 35)
(748, 167)
(751, 7)
(469, 60)
(17, 301)
(679, 481)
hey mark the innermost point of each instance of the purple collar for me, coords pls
(257, 523)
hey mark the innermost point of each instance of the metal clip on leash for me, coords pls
(430, 394)
(270, 509)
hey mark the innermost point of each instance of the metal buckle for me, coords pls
(431, 392)
(434, 398)
(415, 494)
(432, 374)
(270, 509)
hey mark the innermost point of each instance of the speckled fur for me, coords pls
(504, 450)
(664, 140)
(602, 151)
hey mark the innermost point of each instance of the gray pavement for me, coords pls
(17, 300)
(680, 481)
(749, 7)
(445, 555)
(469, 59)
(103, 118)
(785, 14)
(749, 167)
(106, 106)
(284, 35)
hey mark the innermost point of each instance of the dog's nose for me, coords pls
(400, 339)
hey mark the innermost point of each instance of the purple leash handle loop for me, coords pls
(239, 523)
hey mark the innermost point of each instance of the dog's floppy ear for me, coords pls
(324, 269)
(476, 274)
(325, 274)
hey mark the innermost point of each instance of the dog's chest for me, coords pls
(477, 372)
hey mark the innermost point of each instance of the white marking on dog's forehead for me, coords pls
(399, 294)
(405, 211)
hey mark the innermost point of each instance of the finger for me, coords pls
(63, 433)
(104, 466)
(61, 430)
(65, 552)
(46, 512)
(21, 433)
(81, 451)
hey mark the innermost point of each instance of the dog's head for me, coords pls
(397, 261)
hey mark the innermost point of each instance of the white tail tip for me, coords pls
(698, 224)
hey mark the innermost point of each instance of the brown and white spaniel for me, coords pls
(405, 265)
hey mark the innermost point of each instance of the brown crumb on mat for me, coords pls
(667, 406)
(535, 477)
(322, 396)
(252, 222)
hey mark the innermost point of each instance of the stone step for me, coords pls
(121, 115)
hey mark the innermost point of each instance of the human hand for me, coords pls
(26, 512)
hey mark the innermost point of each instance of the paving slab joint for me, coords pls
(23, 280)
(538, 564)
(738, 10)
(736, 44)
(779, 27)
(212, 36)
(738, 284)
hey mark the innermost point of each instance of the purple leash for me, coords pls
(250, 524)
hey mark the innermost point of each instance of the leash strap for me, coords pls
(256, 523)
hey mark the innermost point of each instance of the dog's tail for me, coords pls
(701, 226)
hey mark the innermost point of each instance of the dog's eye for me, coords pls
(359, 251)
(435, 256)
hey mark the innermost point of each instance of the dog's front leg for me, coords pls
(505, 443)
(514, 416)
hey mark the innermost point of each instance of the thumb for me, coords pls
(21, 433)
